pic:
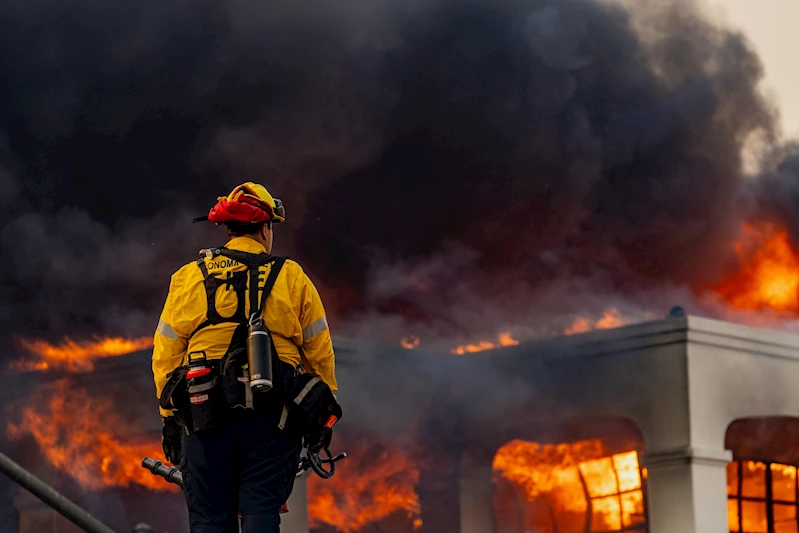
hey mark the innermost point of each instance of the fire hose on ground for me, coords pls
(52, 497)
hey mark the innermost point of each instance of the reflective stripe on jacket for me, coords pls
(294, 314)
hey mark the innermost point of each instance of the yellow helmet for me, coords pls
(248, 203)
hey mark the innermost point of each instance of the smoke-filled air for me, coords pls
(452, 170)
(458, 175)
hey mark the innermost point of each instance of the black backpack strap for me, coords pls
(245, 258)
(203, 268)
(252, 261)
(277, 265)
(253, 272)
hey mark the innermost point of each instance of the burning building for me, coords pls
(679, 425)
(452, 169)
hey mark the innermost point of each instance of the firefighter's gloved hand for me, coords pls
(170, 440)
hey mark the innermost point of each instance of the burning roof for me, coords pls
(400, 426)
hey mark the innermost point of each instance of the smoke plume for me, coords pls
(446, 165)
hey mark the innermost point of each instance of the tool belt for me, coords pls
(303, 401)
(230, 390)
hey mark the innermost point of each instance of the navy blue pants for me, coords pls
(247, 466)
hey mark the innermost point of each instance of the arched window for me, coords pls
(762, 497)
(568, 488)
(761, 482)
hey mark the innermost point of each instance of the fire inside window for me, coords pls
(762, 498)
(564, 495)
(613, 493)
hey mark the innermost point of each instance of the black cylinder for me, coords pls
(259, 357)
(170, 473)
(51, 497)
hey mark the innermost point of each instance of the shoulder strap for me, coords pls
(203, 268)
(246, 258)
(252, 262)
(277, 265)
(254, 272)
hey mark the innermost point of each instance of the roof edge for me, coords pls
(670, 330)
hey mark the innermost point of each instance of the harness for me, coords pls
(234, 390)
(237, 281)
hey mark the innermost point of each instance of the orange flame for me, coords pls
(375, 483)
(769, 275)
(410, 342)
(750, 492)
(79, 435)
(575, 483)
(77, 356)
(612, 318)
(503, 339)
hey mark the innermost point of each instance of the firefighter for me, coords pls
(236, 448)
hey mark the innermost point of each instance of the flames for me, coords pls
(747, 494)
(580, 487)
(503, 339)
(409, 342)
(77, 432)
(77, 356)
(612, 318)
(768, 277)
(373, 484)
(572, 487)
(566, 487)
(82, 436)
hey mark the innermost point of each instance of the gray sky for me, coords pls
(771, 27)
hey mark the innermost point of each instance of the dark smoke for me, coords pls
(776, 193)
(446, 164)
